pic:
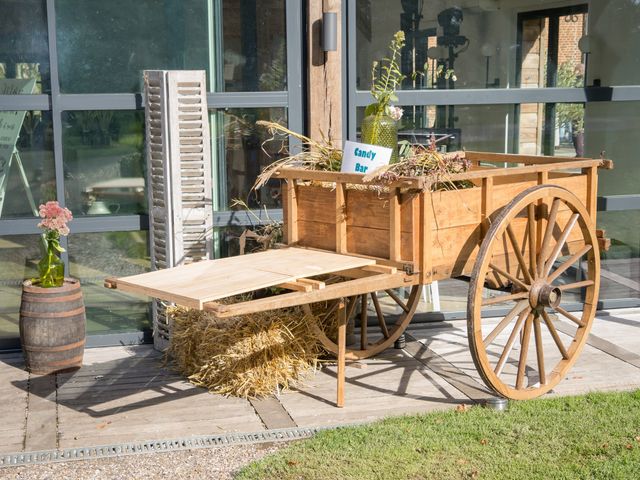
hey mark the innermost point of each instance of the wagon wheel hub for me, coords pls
(543, 295)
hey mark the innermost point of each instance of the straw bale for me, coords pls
(249, 356)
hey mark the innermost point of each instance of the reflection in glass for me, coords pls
(19, 255)
(104, 162)
(620, 265)
(27, 176)
(24, 50)
(254, 45)
(104, 46)
(94, 256)
(477, 44)
(244, 153)
(475, 127)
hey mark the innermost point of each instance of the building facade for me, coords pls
(521, 76)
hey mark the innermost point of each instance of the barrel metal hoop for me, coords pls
(59, 348)
(49, 366)
(69, 313)
(43, 299)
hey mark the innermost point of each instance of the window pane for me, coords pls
(26, 144)
(94, 256)
(104, 162)
(24, 47)
(254, 45)
(19, 255)
(244, 154)
(491, 44)
(620, 265)
(104, 46)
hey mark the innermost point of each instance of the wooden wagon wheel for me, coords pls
(531, 242)
(371, 344)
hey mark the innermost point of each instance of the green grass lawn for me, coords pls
(596, 436)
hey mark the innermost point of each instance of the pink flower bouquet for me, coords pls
(54, 223)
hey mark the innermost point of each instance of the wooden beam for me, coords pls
(296, 286)
(342, 350)
(380, 269)
(491, 157)
(324, 76)
(341, 219)
(314, 284)
(395, 243)
(592, 189)
(349, 288)
(426, 223)
(291, 230)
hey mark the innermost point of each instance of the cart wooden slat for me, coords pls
(195, 284)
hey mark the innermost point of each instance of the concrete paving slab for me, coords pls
(127, 394)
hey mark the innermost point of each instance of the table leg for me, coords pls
(342, 340)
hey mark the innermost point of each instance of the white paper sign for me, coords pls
(364, 158)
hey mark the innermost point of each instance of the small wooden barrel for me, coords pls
(52, 327)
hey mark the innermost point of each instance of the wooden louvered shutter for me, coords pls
(179, 166)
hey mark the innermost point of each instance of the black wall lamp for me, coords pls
(329, 31)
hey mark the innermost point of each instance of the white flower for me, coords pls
(454, 78)
(395, 112)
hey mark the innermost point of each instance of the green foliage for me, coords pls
(570, 114)
(383, 86)
(583, 437)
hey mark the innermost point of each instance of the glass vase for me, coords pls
(50, 268)
(381, 130)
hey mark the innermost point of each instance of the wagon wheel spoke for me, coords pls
(548, 235)
(566, 264)
(524, 349)
(539, 348)
(504, 298)
(570, 316)
(332, 309)
(531, 223)
(518, 253)
(554, 335)
(363, 322)
(379, 314)
(508, 276)
(351, 306)
(518, 309)
(560, 244)
(571, 286)
(512, 338)
(397, 299)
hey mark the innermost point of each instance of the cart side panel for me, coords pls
(367, 219)
(456, 229)
(457, 217)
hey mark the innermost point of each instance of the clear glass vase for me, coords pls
(50, 268)
(381, 130)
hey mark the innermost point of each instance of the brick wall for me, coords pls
(571, 30)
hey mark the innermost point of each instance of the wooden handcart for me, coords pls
(517, 234)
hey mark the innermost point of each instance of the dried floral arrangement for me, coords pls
(424, 161)
(415, 161)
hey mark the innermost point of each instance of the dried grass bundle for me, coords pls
(250, 356)
(322, 155)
